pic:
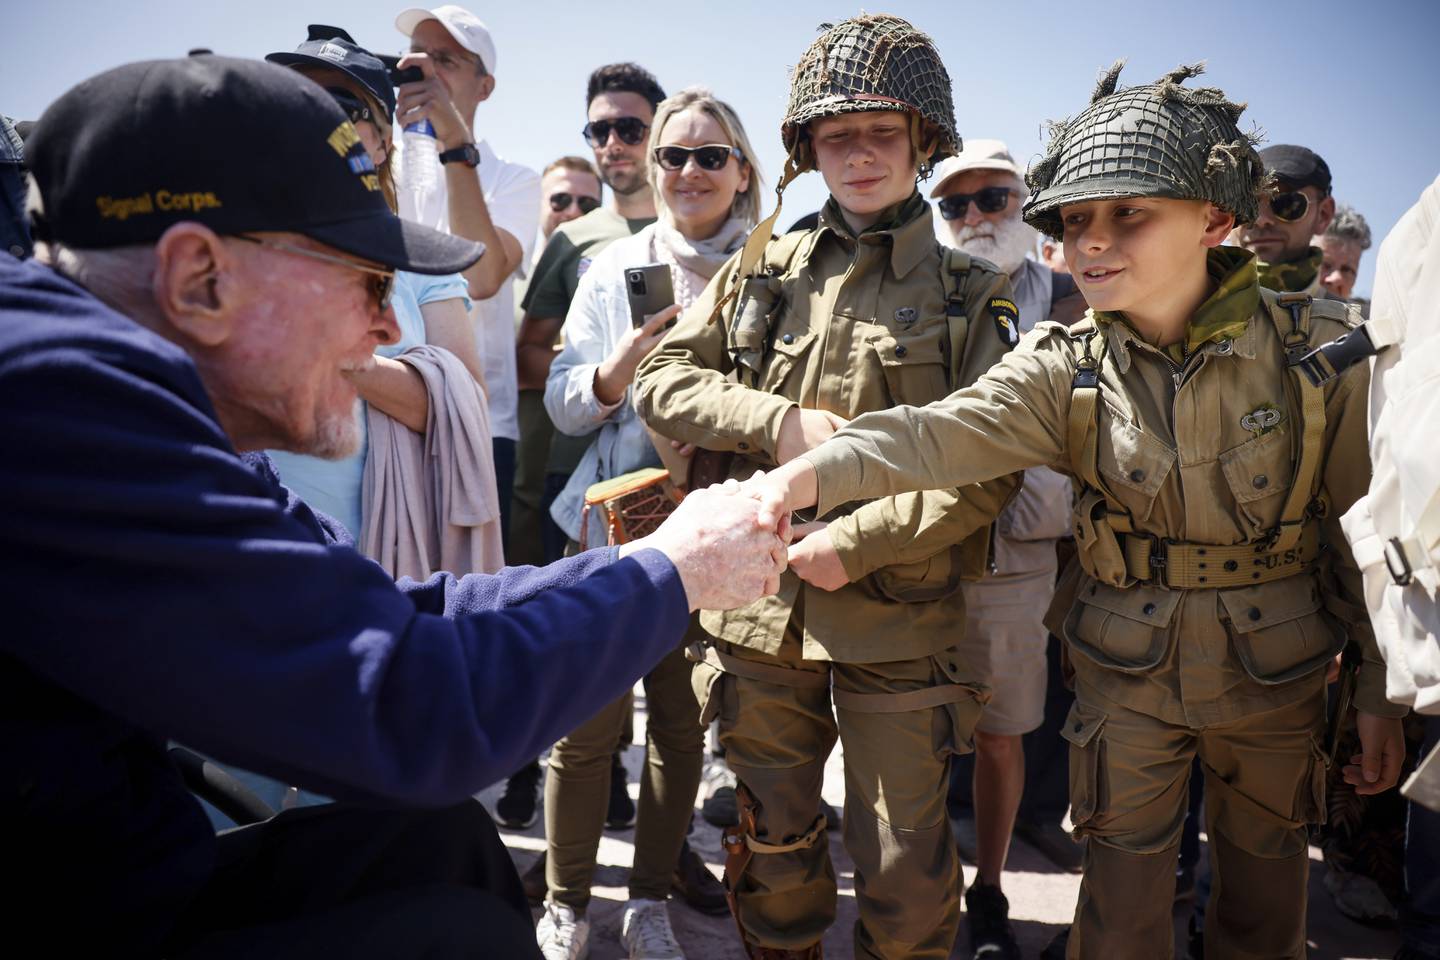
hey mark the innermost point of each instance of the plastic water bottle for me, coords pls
(420, 163)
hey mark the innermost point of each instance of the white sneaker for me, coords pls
(645, 931)
(561, 934)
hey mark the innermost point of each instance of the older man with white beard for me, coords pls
(979, 193)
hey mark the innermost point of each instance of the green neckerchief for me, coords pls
(1292, 276)
(1226, 312)
(891, 218)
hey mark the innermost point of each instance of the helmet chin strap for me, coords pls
(923, 146)
(797, 162)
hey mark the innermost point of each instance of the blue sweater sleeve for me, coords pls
(155, 574)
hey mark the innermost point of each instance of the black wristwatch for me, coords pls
(465, 153)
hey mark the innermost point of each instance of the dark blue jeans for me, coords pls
(504, 449)
(1420, 913)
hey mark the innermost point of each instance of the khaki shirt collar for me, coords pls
(908, 224)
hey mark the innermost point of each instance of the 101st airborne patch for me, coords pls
(1007, 319)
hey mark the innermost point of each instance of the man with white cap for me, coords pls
(979, 192)
(480, 196)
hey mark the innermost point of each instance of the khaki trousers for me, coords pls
(777, 737)
(577, 791)
(1129, 780)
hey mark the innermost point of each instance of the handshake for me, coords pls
(730, 542)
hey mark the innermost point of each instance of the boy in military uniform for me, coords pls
(863, 312)
(1216, 585)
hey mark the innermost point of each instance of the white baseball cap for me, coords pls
(978, 155)
(464, 26)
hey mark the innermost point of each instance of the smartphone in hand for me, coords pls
(649, 290)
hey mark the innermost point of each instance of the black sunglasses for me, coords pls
(1289, 206)
(988, 200)
(355, 108)
(711, 156)
(562, 201)
(630, 130)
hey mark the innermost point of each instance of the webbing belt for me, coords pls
(1197, 566)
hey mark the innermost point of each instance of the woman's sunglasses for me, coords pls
(988, 200)
(561, 201)
(712, 156)
(630, 130)
(1289, 206)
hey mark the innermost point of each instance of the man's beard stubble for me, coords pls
(338, 436)
(1004, 244)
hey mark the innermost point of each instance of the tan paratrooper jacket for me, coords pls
(1196, 453)
(858, 325)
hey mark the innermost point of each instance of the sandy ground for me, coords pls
(1042, 899)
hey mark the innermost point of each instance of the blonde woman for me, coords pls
(707, 189)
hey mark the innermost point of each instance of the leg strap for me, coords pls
(922, 699)
(740, 845)
(750, 670)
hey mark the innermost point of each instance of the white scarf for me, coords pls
(694, 262)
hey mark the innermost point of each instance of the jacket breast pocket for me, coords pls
(1135, 462)
(1122, 629)
(1258, 473)
(1279, 630)
(913, 364)
(785, 356)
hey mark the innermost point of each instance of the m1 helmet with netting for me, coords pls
(871, 62)
(1156, 140)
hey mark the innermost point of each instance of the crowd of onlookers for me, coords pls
(506, 396)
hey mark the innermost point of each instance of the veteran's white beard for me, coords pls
(1003, 244)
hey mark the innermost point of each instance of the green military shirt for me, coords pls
(552, 286)
(1178, 447)
(861, 325)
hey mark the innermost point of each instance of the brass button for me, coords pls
(1254, 613)
(788, 338)
(1148, 609)
(1261, 481)
(900, 350)
(1137, 476)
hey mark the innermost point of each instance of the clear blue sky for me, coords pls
(1348, 79)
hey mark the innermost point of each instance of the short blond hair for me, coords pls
(746, 206)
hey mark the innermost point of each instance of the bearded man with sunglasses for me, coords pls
(1299, 209)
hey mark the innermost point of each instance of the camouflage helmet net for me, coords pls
(1156, 140)
(871, 62)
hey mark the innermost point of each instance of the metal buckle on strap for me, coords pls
(1329, 360)
(1087, 376)
(1158, 561)
(1397, 563)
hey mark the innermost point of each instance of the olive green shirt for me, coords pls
(861, 326)
(552, 286)
(1174, 452)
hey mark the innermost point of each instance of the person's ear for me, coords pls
(487, 86)
(1325, 215)
(744, 177)
(195, 284)
(1218, 224)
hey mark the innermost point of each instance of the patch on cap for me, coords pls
(345, 141)
(332, 51)
(1007, 319)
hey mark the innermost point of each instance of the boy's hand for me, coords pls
(813, 558)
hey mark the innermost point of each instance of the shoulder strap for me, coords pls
(1082, 429)
(1290, 312)
(955, 277)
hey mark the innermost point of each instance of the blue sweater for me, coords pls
(159, 586)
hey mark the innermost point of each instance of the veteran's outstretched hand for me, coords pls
(727, 554)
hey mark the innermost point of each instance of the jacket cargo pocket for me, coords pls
(1126, 630)
(1279, 631)
(1134, 463)
(1258, 473)
(913, 365)
(934, 578)
(1083, 728)
(783, 359)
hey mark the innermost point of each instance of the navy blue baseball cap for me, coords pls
(332, 48)
(125, 155)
